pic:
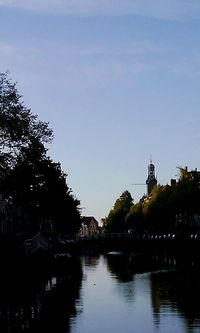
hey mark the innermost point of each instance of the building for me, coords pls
(151, 178)
(89, 227)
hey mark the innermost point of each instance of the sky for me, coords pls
(117, 80)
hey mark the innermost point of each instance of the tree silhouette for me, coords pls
(19, 128)
(115, 222)
(34, 184)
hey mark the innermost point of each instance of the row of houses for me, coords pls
(10, 218)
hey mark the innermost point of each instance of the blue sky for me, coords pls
(117, 81)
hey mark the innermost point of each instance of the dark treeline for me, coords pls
(171, 208)
(34, 194)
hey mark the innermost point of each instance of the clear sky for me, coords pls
(117, 80)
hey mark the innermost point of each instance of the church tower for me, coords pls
(151, 179)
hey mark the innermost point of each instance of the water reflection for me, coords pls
(120, 266)
(91, 260)
(119, 292)
(177, 291)
(163, 296)
(37, 298)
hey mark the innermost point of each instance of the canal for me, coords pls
(102, 293)
(114, 298)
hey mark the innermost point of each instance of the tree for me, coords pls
(115, 222)
(186, 200)
(157, 209)
(19, 128)
(38, 185)
(134, 219)
(29, 178)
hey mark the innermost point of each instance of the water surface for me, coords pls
(101, 294)
(113, 298)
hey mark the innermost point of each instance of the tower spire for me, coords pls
(151, 178)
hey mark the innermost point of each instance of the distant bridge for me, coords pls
(143, 242)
